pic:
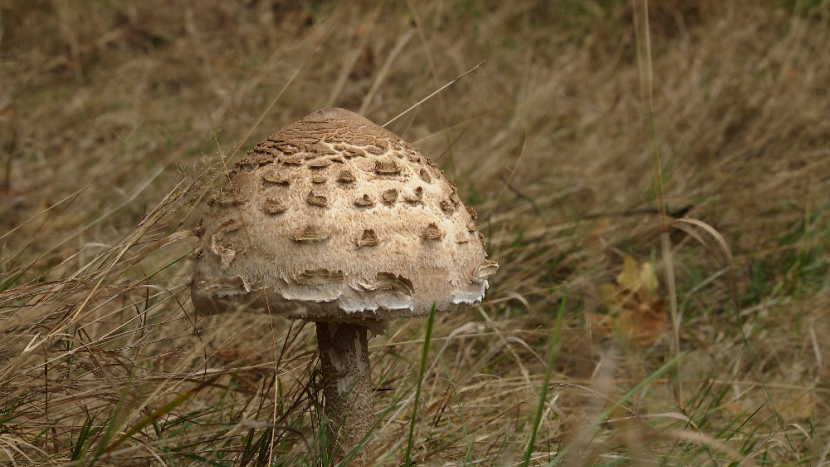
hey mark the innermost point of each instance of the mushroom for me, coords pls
(316, 230)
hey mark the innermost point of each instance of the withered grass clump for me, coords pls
(116, 119)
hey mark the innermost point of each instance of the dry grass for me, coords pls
(115, 117)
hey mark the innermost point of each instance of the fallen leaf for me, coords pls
(635, 309)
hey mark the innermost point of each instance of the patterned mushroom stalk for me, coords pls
(336, 220)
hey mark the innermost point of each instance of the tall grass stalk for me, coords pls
(641, 28)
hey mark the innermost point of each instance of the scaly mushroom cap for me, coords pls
(334, 218)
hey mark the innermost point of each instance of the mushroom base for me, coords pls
(347, 386)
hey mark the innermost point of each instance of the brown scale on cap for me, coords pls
(367, 238)
(390, 196)
(347, 266)
(292, 160)
(252, 163)
(375, 149)
(447, 206)
(345, 176)
(387, 167)
(274, 206)
(364, 201)
(229, 225)
(432, 232)
(275, 177)
(415, 197)
(308, 233)
(316, 199)
(318, 164)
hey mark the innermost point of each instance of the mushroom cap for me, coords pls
(334, 218)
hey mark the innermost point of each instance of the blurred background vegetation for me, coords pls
(115, 116)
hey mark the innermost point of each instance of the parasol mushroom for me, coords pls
(336, 220)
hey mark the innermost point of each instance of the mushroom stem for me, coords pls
(347, 385)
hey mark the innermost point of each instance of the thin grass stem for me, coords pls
(644, 61)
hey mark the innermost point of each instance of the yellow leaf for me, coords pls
(629, 277)
(648, 277)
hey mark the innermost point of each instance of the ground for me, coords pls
(655, 186)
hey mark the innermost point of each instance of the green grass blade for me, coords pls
(82, 444)
(418, 388)
(555, 342)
